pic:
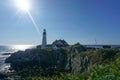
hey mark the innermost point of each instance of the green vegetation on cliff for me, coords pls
(109, 71)
(75, 62)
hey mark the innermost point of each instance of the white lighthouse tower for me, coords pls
(44, 40)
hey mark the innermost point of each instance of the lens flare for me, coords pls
(24, 5)
(35, 25)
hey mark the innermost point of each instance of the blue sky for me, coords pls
(73, 20)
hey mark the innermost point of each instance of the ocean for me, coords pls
(101, 46)
(9, 49)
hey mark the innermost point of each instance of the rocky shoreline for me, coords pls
(68, 60)
(50, 61)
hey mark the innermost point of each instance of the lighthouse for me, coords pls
(44, 40)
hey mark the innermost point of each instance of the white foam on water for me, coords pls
(5, 68)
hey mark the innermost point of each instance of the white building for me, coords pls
(44, 40)
(55, 45)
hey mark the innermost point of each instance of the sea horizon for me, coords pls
(14, 48)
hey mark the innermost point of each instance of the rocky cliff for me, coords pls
(66, 58)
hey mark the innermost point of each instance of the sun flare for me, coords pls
(21, 47)
(23, 5)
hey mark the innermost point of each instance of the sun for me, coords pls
(23, 5)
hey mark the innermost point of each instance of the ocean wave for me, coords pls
(4, 68)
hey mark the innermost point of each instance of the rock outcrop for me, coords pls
(67, 58)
